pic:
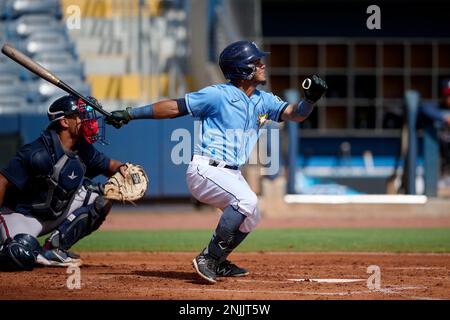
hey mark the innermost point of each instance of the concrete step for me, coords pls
(109, 65)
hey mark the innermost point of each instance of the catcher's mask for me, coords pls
(90, 128)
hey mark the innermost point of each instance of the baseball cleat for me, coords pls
(58, 258)
(205, 267)
(228, 269)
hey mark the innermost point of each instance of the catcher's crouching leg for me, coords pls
(80, 223)
(19, 253)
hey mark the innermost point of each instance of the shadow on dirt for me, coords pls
(190, 277)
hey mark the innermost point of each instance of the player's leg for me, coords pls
(252, 216)
(249, 223)
(225, 189)
(19, 247)
(85, 215)
(225, 239)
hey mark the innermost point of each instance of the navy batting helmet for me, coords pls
(236, 60)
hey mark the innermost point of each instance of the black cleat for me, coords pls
(205, 267)
(228, 269)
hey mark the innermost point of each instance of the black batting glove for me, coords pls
(314, 88)
(118, 118)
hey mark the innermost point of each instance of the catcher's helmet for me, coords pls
(62, 107)
(236, 60)
(91, 130)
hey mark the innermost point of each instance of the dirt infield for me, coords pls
(145, 221)
(185, 217)
(169, 276)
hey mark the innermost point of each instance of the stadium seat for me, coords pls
(33, 23)
(15, 8)
(18, 89)
(72, 67)
(46, 42)
(41, 91)
(9, 68)
(10, 104)
(7, 79)
(2, 9)
(54, 57)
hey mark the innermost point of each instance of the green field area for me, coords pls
(436, 240)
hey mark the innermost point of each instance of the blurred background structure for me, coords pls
(360, 140)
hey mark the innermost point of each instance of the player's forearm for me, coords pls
(160, 110)
(298, 112)
(166, 109)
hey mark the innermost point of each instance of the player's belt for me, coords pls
(215, 163)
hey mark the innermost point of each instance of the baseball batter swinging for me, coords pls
(46, 189)
(214, 175)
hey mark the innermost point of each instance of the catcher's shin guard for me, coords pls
(19, 253)
(80, 223)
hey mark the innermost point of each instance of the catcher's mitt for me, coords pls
(129, 188)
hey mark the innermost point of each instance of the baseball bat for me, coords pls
(39, 70)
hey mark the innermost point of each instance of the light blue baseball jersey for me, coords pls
(230, 121)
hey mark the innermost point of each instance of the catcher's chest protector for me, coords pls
(60, 185)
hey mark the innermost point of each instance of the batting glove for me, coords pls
(314, 88)
(118, 118)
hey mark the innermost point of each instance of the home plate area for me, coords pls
(273, 276)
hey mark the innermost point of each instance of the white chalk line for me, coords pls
(390, 289)
(394, 289)
(328, 280)
(415, 268)
(323, 280)
(427, 298)
(347, 293)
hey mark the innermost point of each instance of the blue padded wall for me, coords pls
(146, 142)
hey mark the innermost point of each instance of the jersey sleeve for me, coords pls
(97, 163)
(201, 104)
(17, 170)
(274, 107)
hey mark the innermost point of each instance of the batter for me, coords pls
(231, 115)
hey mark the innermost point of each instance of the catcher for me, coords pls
(46, 188)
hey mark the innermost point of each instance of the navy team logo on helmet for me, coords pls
(237, 60)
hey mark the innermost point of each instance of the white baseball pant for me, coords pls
(13, 223)
(222, 187)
